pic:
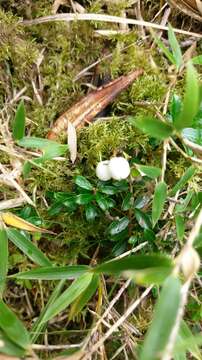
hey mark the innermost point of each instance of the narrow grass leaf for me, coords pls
(191, 100)
(158, 201)
(19, 122)
(180, 226)
(188, 342)
(164, 318)
(3, 260)
(176, 51)
(150, 171)
(161, 46)
(19, 223)
(68, 296)
(38, 143)
(8, 347)
(28, 248)
(83, 299)
(12, 327)
(134, 262)
(53, 273)
(183, 180)
(153, 127)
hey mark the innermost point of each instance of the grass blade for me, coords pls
(19, 122)
(53, 273)
(158, 201)
(183, 180)
(3, 260)
(176, 51)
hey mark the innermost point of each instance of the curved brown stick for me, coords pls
(86, 109)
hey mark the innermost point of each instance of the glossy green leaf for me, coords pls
(127, 202)
(118, 226)
(68, 296)
(8, 347)
(3, 260)
(158, 201)
(191, 100)
(12, 327)
(19, 122)
(83, 299)
(164, 318)
(39, 325)
(153, 127)
(176, 51)
(83, 183)
(104, 202)
(91, 212)
(150, 171)
(180, 226)
(183, 180)
(83, 199)
(53, 273)
(28, 248)
(108, 189)
(134, 262)
(143, 219)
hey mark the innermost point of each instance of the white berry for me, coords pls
(119, 168)
(102, 170)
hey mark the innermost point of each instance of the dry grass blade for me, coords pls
(189, 7)
(86, 109)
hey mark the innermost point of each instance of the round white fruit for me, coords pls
(119, 168)
(102, 170)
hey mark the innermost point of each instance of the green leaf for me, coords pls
(150, 171)
(158, 201)
(107, 189)
(176, 107)
(180, 227)
(143, 219)
(165, 50)
(118, 226)
(8, 347)
(183, 180)
(150, 276)
(28, 248)
(83, 183)
(68, 296)
(83, 199)
(19, 122)
(127, 202)
(188, 342)
(39, 325)
(104, 202)
(53, 273)
(38, 143)
(12, 327)
(134, 262)
(91, 212)
(177, 54)
(197, 60)
(153, 127)
(83, 299)
(191, 100)
(164, 318)
(3, 260)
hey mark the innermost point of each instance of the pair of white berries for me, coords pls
(116, 168)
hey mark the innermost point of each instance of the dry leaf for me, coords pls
(72, 141)
(15, 221)
(189, 7)
(87, 108)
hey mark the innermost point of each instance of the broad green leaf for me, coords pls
(12, 327)
(19, 122)
(3, 260)
(83, 183)
(176, 107)
(91, 212)
(83, 199)
(156, 275)
(180, 226)
(28, 248)
(191, 100)
(39, 143)
(142, 219)
(53, 273)
(180, 208)
(127, 202)
(68, 296)
(40, 324)
(83, 299)
(183, 180)
(8, 347)
(104, 202)
(150, 171)
(108, 189)
(165, 50)
(197, 60)
(164, 318)
(158, 201)
(177, 54)
(153, 127)
(134, 262)
(118, 226)
(188, 342)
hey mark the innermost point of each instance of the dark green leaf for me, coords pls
(107, 189)
(104, 202)
(183, 180)
(134, 262)
(28, 248)
(127, 202)
(164, 318)
(91, 212)
(12, 327)
(3, 260)
(153, 127)
(150, 171)
(53, 273)
(158, 201)
(83, 199)
(83, 183)
(118, 226)
(19, 122)
(177, 54)
(179, 220)
(143, 219)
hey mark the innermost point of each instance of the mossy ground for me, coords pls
(66, 49)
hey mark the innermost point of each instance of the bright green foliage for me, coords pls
(158, 201)
(19, 122)
(3, 259)
(153, 127)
